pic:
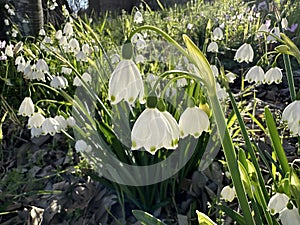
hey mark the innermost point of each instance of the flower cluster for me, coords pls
(38, 124)
(256, 74)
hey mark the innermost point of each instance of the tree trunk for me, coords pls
(29, 16)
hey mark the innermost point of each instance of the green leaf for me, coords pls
(146, 218)
(276, 141)
(204, 219)
(295, 186)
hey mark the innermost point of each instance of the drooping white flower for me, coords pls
(230, 77)
(81, 56)
(292, 116)
(189, 26)
(42, 32)
(74, 45)
(284, 23)
(68, 29)
(277, 203)
(58, 34)
(62, 122)
(140, 44)
(82, 146)
(217, 34)
(274, 74)
(138, 17)
(86, 49)
(212, 47)
(50, 126)
(26, 107)
(35, 132)
(154, 130)
(139, 59)
(221, 92)
(41, 66)
(289, 216)
(66, 70)
(228, 193)
(115, 58)
(86, 77)
(244, 53)
(59, 82)
(71, 121)
(275, 33)
(215, 70)
(182, 82)
(35, 121)
(6, 22)
(255, 74)
(193, 121)
(125, 83)
(9, 50)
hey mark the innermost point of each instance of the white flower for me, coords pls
(86, 77)
(50, 126)
(68, 29)
(58, 34)
(193, 121)
(11, 12)
(6, 22)
(138, 17)
(86, 49)
(42, 32)
(244, 53)
(189, 26)
(217, 34)
(139, 59)
(81, 56)
(35, 121)
(284, 23)
(256, 74)
(62, 122)
(141, 44)
(66, 70)
(115, 58)
(82, 146)
(9, 50)
(59, 82)
(275, 32)
(230, 77)
(214, 70)
(182, 82)
(277, 203)
(228, 193)
(273, 75)
(212, 47)
(35, 132)
(26, 107)
(41, 66)
(289, 216)
(125, 83)
(154, 130)
(292, 116)
(74, 45)
(263, 28)
(221, 92)
(71, 121)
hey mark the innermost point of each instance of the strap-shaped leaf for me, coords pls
(146, 218)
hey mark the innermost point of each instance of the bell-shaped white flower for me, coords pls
(289, 216)
(244, 53)
(138, 17)
(35, 121)
(86, 77)
(273, 75)
(292, 116)
(42, 32)
(62, 122)
(66, 70)
(275, 33)
(125, 83)
(41, 66)
(9, 50)
(221, 92)
(115, 58)
(255, 74)
(71, 121)
(228, 193)
(82, 146)
(230, 77)
(154, 130)
(215, 70)
(81, 56)
(277, 203)
(35, 132)
(217, 34)
(68, 29)
(213, 47)
(284, 23)
(193, 121)
(50, 126)
(59, 82)
(26, 107)
(74, 45)
(58, 34)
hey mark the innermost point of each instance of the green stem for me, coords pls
(231, 158)
(249, 145)
(289, 75)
